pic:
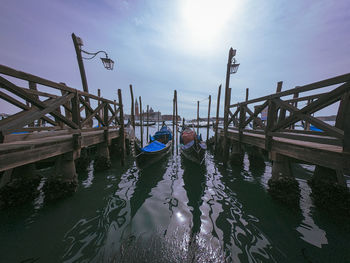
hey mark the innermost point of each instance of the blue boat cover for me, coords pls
(153, 146)
(163, 131)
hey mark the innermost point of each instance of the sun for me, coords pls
(205, 21)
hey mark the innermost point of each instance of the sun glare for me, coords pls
(205, 20)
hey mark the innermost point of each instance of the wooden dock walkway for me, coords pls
(53, 119)
(269, 123)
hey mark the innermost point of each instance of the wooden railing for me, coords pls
(55, 107)
(283, 113)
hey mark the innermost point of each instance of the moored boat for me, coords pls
(159, 146)
(191, 146)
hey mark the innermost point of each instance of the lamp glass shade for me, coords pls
(108, 63)
(234, 68)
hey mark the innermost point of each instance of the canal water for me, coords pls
(173, 211)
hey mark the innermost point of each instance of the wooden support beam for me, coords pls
(28, 77)
(132, 107)
(141, 119)
(299, 89)
(217, 117)
(271, 117)
(147, 129)
(28, 97)
(29, 116)
(208, 121)
(122, 133)
(197, 117)
(176, 117)
(93, 112)
(324, 101)
(22, 106)
(297, 115)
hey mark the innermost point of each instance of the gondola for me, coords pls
(159, 147)
(191, 146)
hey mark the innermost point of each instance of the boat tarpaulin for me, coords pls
(153, 146)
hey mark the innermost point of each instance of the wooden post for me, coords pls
(307, 124)
(158, 121)
(197, 117)
(82, 72)
(98, 104)
(75, 109)
(67, 113)
(141, 128)
(115, 112)
(343, 120)
(147, 140)
(132, 107)
(173, 121)
(246, 94)
(217, 117)
(282, 115)
(271, 117)
(227, 103)
(32, 86)
(177, 151)
(121, 134)
(295, 96)
(208, 123)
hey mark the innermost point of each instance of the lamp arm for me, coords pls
(94, 54)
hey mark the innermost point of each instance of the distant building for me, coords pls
(169, 117)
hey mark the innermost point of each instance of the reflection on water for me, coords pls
(174, 211)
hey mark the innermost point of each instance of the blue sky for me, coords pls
(159, 46)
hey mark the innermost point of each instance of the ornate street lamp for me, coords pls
(232, 67)
(107, 63)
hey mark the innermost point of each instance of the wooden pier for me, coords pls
(268, 124)
(55, 121)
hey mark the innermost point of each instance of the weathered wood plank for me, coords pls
(30, 116)
(28, 97)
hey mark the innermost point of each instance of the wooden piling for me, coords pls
(197, 117)
(177, 151)
(99, 103)
(173, 120)
(158, 121)
(121, 131)
(227, 103)
(141, 128)
(132, 107)
(147, 117)
(208, 121)
(217, 117)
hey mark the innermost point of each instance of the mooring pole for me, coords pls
(147, 123)
(82, 72)
(197, 117)
(177, 151)
(217, 117)
(121, 134)
(173, 121)
(132, 108)
(208, 122)
(227, 103)
(158, 121)
(99, 103)
(141, 128)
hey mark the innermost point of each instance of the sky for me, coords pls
(159, 46)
